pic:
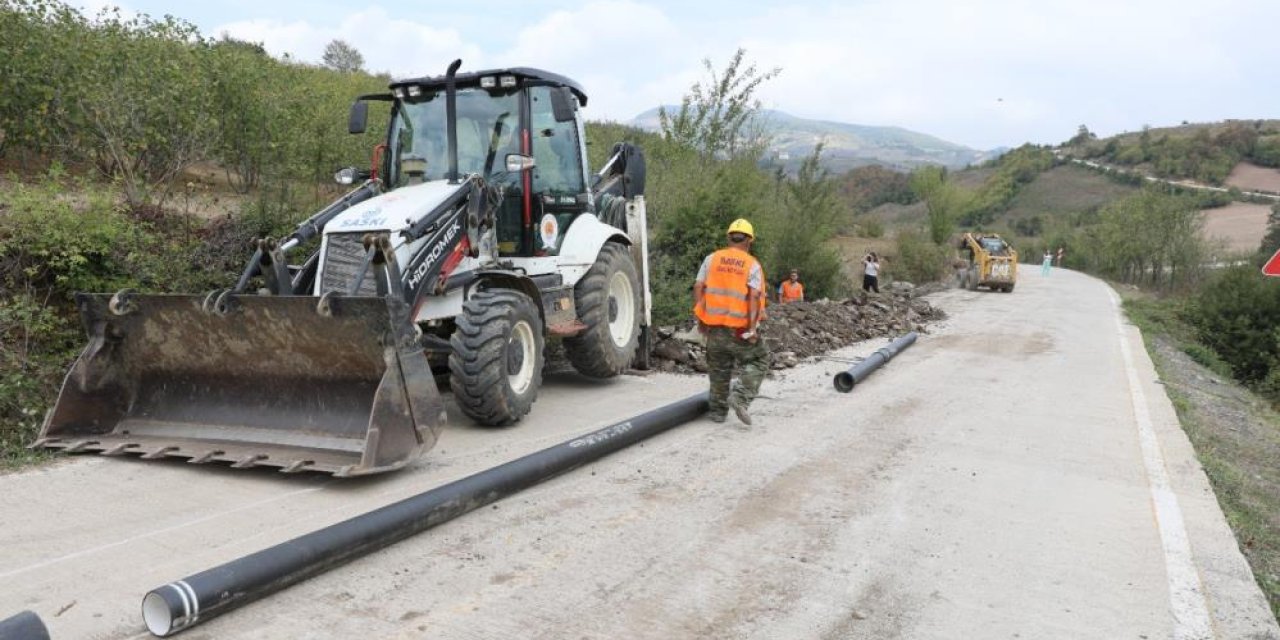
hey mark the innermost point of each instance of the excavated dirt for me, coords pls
(802, 330)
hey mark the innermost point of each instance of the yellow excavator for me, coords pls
(992, 262)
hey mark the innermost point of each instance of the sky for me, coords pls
(983, 73)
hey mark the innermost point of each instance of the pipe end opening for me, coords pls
(156, 614)
(844, 382)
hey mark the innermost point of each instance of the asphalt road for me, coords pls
(1018, 473)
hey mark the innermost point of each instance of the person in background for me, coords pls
(728, 296)
(1047, 264)
(1061, 252)
(871, 272)
(791, 290)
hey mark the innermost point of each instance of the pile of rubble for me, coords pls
(800, 330)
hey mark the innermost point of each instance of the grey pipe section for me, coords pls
(846, 380)
(185, 603)
(24, 626)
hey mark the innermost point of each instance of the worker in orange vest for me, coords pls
(791, 290)
(729, 301)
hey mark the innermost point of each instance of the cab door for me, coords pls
(559, 183)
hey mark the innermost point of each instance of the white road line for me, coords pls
(1186, 593)
(158, 532)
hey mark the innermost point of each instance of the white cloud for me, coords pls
(401, 47)
(628, 56)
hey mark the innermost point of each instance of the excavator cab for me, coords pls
(525, 113)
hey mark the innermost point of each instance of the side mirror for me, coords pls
(359, 117)
(349, 175)
(517, 162)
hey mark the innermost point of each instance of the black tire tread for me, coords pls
(592, 352)
(477, 364)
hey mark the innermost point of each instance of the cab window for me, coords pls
(558, 166)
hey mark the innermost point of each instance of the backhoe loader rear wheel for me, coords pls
(495, 368)
(608, 302)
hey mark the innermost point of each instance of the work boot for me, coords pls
(717, 418)
(740, 410)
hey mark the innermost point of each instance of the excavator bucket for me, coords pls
(334, 384)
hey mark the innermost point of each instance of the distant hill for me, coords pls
(1206, 153)
(847, 146)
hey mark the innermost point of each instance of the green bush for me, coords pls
(918, 260)
(871, 227)
(1235, 314)
(1207, 358)
(142, 99)
(52, 246)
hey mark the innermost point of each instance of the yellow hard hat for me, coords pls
(742, 226)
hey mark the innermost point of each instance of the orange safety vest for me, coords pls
(792, 291)
(724, 301)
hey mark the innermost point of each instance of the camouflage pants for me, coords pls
(725, 354)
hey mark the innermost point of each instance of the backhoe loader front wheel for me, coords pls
(495, 368)
(608, 302)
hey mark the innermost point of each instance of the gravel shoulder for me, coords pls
(1237, 441)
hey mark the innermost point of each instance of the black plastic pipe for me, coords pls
(185, 603)
(24, 626)
(846, 380)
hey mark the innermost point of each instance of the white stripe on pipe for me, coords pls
(195, 602)
(1186, 593)
(186, 606)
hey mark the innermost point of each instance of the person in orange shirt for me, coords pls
(791, 290)
(729, 295)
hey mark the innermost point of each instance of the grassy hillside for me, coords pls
(1060, 193)
(1205, 153)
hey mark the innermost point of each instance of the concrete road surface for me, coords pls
(1019, 473)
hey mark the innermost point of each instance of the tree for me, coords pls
(1083, 136)
(945, 201)
(340, 56)
(811, 208)
(1153, 237)
(1271, 241)
(714, 116)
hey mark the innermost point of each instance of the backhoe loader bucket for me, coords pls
(335, 384)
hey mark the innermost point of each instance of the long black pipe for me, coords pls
(451, 118)
(846, 380)
(24, 626)
(182, 604)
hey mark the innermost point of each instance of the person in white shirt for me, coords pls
(871, 273)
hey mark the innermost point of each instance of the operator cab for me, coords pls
(500, 113)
